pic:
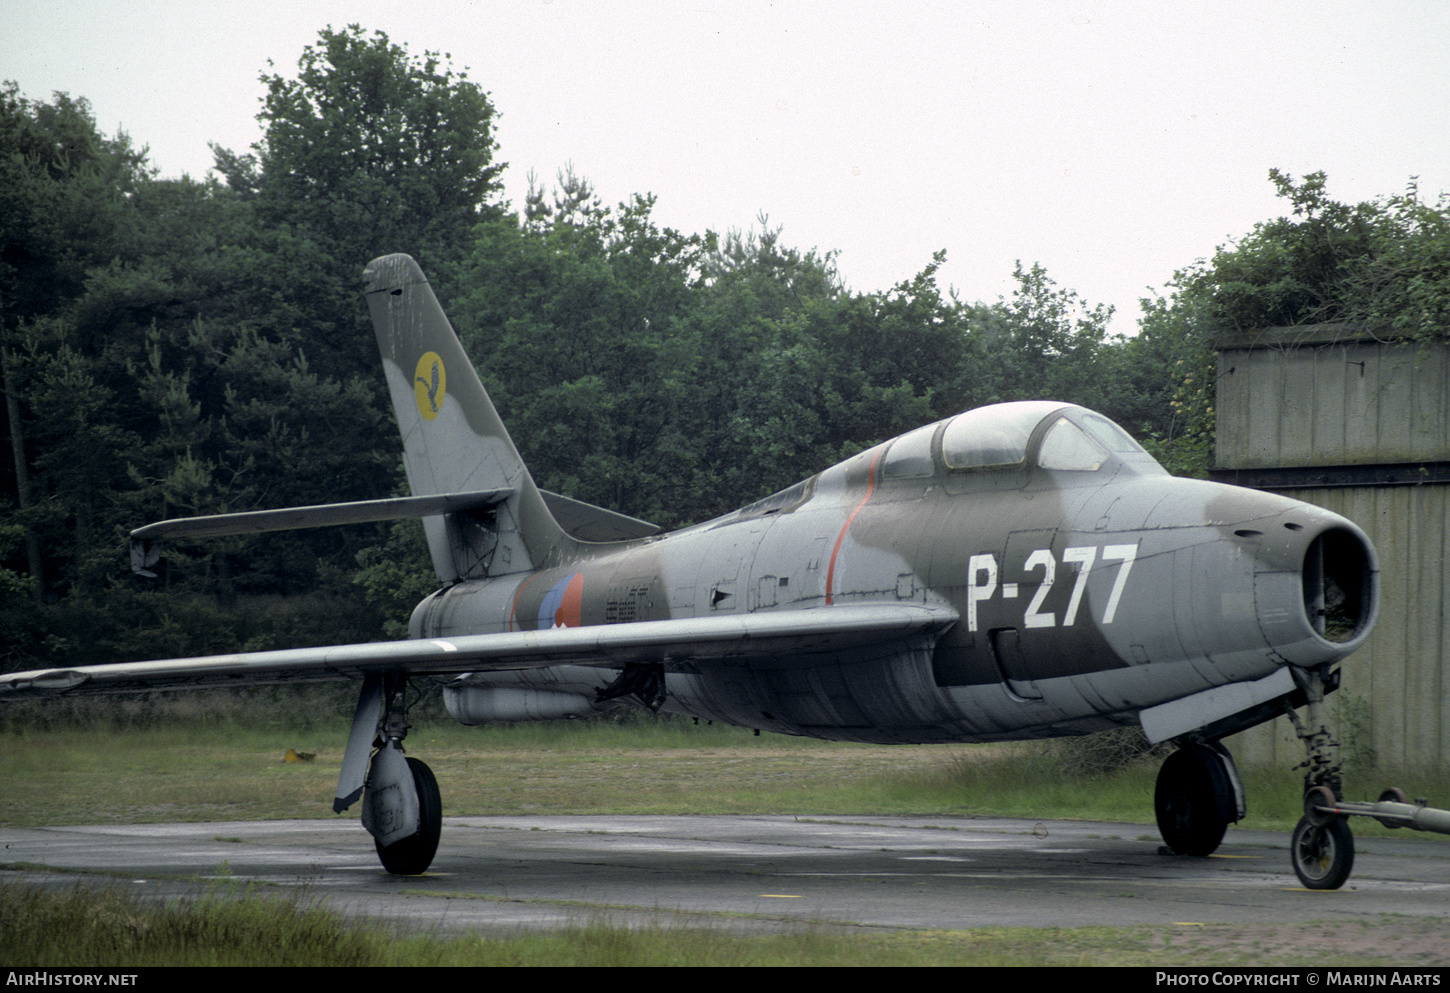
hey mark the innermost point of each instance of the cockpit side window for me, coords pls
(1066, 447)
(787, 499)
(1114, 437)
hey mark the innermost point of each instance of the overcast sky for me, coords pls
(1113, 142)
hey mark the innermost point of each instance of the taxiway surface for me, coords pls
(503, 874)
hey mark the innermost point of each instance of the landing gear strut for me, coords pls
(1323, 847)
(1199, 791)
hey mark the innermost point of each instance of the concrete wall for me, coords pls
(1328, 396)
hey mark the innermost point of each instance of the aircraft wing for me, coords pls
(774, 633)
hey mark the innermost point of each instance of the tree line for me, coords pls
(175, 347)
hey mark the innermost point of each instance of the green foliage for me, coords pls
(176, 347)
(772, 276)
(373, 150)
(396, 575)
(64, 190)
(577, 323)
(1164, 387)
(1384, 262)
(1048, 340)
(19, 632)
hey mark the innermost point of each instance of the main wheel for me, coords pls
(413, 855)
(1194, 800)
(1323, 855)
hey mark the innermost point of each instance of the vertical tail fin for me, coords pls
(453, 438)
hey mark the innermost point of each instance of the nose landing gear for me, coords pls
(1322, 848)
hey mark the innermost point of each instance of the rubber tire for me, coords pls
(1323, 856)
(1193, 800)
(1392, 795)
(413, 855)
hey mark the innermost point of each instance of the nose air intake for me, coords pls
(1316, 587)
(1340, 586)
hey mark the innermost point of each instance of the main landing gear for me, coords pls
(411, 855)
(402, 808)
(1197, 796)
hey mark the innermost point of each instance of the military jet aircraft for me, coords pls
(1023, 570)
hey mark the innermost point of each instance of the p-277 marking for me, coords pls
(1083, 556)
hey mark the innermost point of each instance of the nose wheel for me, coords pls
(1322, 848)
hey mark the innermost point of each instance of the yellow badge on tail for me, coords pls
(429, 384)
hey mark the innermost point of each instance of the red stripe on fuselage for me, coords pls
(831, 569)
(518, 593)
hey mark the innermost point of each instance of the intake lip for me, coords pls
(1341, 586)
(1317, 603)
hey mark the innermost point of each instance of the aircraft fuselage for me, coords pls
(1084, 594)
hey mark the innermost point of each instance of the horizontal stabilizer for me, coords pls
(145, 553)
(590, 523)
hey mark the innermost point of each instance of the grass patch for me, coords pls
(82, 927)
(88, 927)
(218, 756)
(79, 927)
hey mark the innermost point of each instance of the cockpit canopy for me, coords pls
(1037, 433)
(991, 441)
